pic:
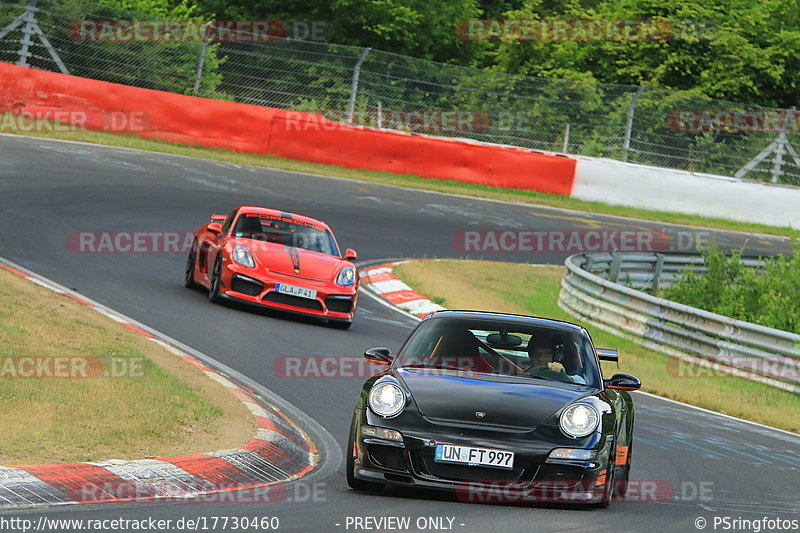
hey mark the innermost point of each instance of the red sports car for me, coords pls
(275, 259)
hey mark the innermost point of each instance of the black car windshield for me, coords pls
(295, 234)
(495, 347)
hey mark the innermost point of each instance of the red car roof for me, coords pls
(284, 214)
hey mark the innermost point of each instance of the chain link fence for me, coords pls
(369, 87)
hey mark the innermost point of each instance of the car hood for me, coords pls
(294, 261)
(456, 396)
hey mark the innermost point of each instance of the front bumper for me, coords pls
(534, 478)
(247, 285)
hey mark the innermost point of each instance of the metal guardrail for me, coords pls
(602, 288)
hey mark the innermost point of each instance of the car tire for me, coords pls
(191, 261)
(352, 481)
(608, 491)
(340, 324)
(213, 288)
(621, 485)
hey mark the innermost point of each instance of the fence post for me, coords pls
(27, 32)
(629, 122)
(354, 85)
(566, 139)
(198, 75)
(779, 147)
(29, 29)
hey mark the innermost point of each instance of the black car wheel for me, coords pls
(621, 488)
(213, 290)
(188, 280)
(352, 481)
(608, 491)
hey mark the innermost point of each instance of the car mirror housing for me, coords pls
(624, 382)
(350, 254)
(379, 356)
(214, 228)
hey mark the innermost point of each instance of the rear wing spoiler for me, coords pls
(608, 354)
(217, 218)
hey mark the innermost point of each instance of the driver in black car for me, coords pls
(542, 355)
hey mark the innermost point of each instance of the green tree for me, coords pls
(733, 50)
(421, 28)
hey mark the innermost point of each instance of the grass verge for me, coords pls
(403, 180)
(533, 290)
(112, 394)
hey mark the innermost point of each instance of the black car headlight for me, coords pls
(579, 420)
(386, 398)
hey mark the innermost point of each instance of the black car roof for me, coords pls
(508, 317)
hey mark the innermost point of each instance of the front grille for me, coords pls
(467, 473)
(387, 456)
(296, 301)
(338, 304)
(250, 287)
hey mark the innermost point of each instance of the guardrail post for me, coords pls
(657, 273)
(616, 263)
(588, 262)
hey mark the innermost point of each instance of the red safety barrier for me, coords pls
(355, 147)
(262, 130)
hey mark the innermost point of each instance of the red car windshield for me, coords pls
(294, 234)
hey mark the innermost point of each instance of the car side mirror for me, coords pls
(621, 381)
(379, 356)
(350, 254)
(214, 228)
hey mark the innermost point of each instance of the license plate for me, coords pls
(294, 290)
(466, 455)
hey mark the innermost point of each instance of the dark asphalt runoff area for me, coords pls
(714, 467)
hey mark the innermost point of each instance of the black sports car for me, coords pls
(495, 407)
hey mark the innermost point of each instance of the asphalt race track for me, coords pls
(716, 466)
